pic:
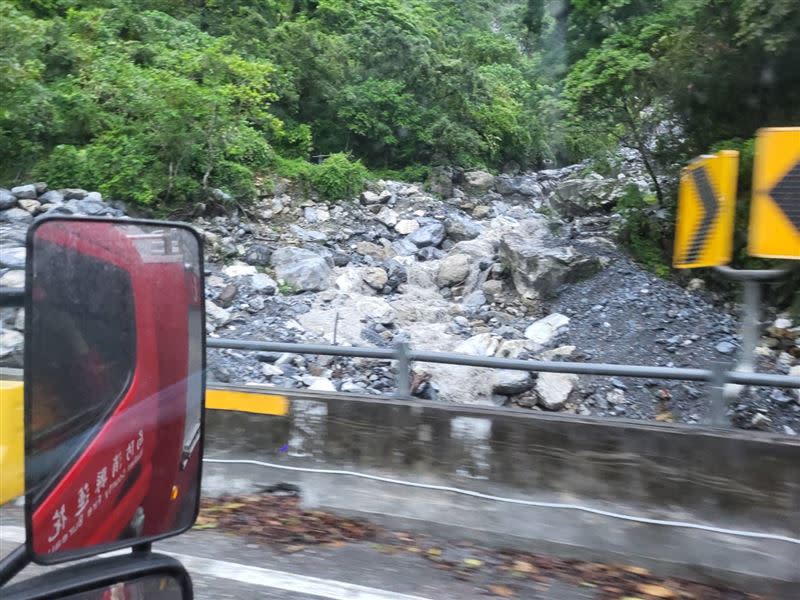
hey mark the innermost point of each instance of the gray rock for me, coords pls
(7, 199)
(93, 208)
(725, 348)
(52, 197)
(431, 234)
(429, 253)
(226, 297)
(406, 226)
(492, 288)
(538, 266)
(15, 215)
(94, 197)
(388, 217)
(258, 255)
(375, 277)
(453, 270)
(13, 258)
(32, 206)
(478, 182)
(264, 284)
(372, 250)
(474, 300)
(524, 185)
(460, 228)
(308, 235)
(402, 247)
(23, 192)
(216, 315)
(440, 181)
(483, 344)
(74, 194)
(12, 279)
(270, 370)
(544, 330)
(302, 270)
(368, 197)
(11, 344)
(579, 197)
(554, 389)
(511, 382)
(320, 384)
(760, 421)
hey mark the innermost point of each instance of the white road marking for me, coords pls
(259, 576)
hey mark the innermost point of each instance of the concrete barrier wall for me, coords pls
(724, 479)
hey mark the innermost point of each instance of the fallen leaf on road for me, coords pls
(656, 591)
(294, 548)
(637, 570)
(501, 590)
(522, 566)
(473, 563)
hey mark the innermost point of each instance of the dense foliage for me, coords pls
(158, 100)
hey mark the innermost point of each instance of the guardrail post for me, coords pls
(403, 371)
(717, 416)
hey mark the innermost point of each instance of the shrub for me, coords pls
(338, 177)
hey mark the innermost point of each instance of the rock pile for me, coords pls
(516, 266)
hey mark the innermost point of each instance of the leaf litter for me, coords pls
(281, 522)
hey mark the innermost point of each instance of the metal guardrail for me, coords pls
(717, 376)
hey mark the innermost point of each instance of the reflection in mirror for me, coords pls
(150, 587)
(114, 384)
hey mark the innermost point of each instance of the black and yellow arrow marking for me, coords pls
(710, 212)
(775, 210)
(704, 231)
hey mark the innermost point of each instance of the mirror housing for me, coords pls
(153, 576)
(114, 384)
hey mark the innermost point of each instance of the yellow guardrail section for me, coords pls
(12, 426)
(12, 450)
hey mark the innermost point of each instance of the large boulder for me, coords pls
(453, 270)
(478, 183)
(460, 228)
(301, 269)
(431, 234)
(15, 215)
(524, 185)
(7, 199)
(538, 267)
(23, 192)
(440, 181)
(581, 197)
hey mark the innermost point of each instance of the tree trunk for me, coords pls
(644, 153)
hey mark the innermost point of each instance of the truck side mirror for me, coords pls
(144, 577)
(114, 384)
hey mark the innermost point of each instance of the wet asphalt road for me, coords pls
(227, 567)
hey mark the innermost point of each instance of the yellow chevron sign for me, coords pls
(775, 210)
(706, 207)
